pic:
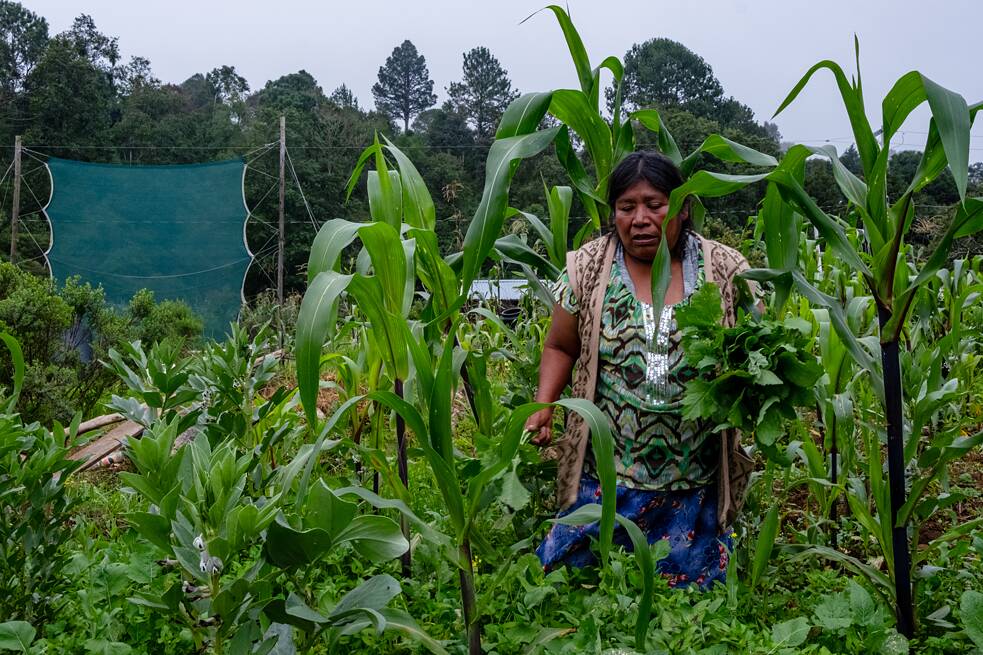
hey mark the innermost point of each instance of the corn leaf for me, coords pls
(487, 223)
(726, 150)
(951, 115)
(313, 324)
(602, 445)
(853, 187)
(651, 119)
(854, 103)
(933, 159)
(765, 543)
(906, 94)
(369, 296)
(435, 274)
(385, 197)
(385, 249)
(333, 237)
(576, 47)
(523, 115)
(418, 208)
(513, 249)
(559, 202)
(544, 233)
(574, 110)
(444, 473)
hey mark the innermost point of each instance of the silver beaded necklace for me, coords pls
(657, 387)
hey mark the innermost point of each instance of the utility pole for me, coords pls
(15, 210)
(281, 242)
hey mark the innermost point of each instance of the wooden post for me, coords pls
(281, 241)
(15, 210)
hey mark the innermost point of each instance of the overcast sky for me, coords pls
(757, 48)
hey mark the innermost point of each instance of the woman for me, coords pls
(672, 474)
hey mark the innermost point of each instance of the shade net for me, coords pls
(176, 230)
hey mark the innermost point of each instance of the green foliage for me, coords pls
(16, 636)
(35, 509)
(243, 528)
(264, 310)
(65, 332)
(23, 40)
(155, 322)
(971, 608)
(750, 377)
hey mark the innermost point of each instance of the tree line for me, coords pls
(72, 95)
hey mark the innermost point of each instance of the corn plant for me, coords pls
(606, 142)
(422, 360)
(880, 258)
(464, 494)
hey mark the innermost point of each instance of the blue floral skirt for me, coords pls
(687, 519)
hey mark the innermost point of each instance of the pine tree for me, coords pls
(404, 88)
(484, 93)
(344, 97)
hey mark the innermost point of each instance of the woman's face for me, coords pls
(639, 217)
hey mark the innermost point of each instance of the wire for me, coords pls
(293, 172)
(35, 155)
(27, 184)
(157, 147)
(256, 170)
(420, 146)
(29, 214)
(264, 150)
(266, 245)
(31, 234)
(34, 170)
(262, 269)
(155, 277)
(268, 192)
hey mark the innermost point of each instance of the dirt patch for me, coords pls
(965, 473)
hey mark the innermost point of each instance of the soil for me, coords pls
(970, 465)
(798, 502)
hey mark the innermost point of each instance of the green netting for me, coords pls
(177, 230)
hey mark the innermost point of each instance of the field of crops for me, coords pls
(357, 478)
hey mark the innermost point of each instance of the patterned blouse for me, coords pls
(640, 381)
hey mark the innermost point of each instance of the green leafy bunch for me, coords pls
(750, 376)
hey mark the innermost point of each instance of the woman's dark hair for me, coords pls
(653, 167)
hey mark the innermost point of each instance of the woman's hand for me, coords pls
(541, 423)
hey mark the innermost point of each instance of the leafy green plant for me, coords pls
(17, 636)
(35, 507)
(231, 378)
(750, 377)
(425, 358)
(206, 528)
(154, 321)
(158, 382)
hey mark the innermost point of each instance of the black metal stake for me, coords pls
(404, 477)
(833, 531)
(891, 364)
